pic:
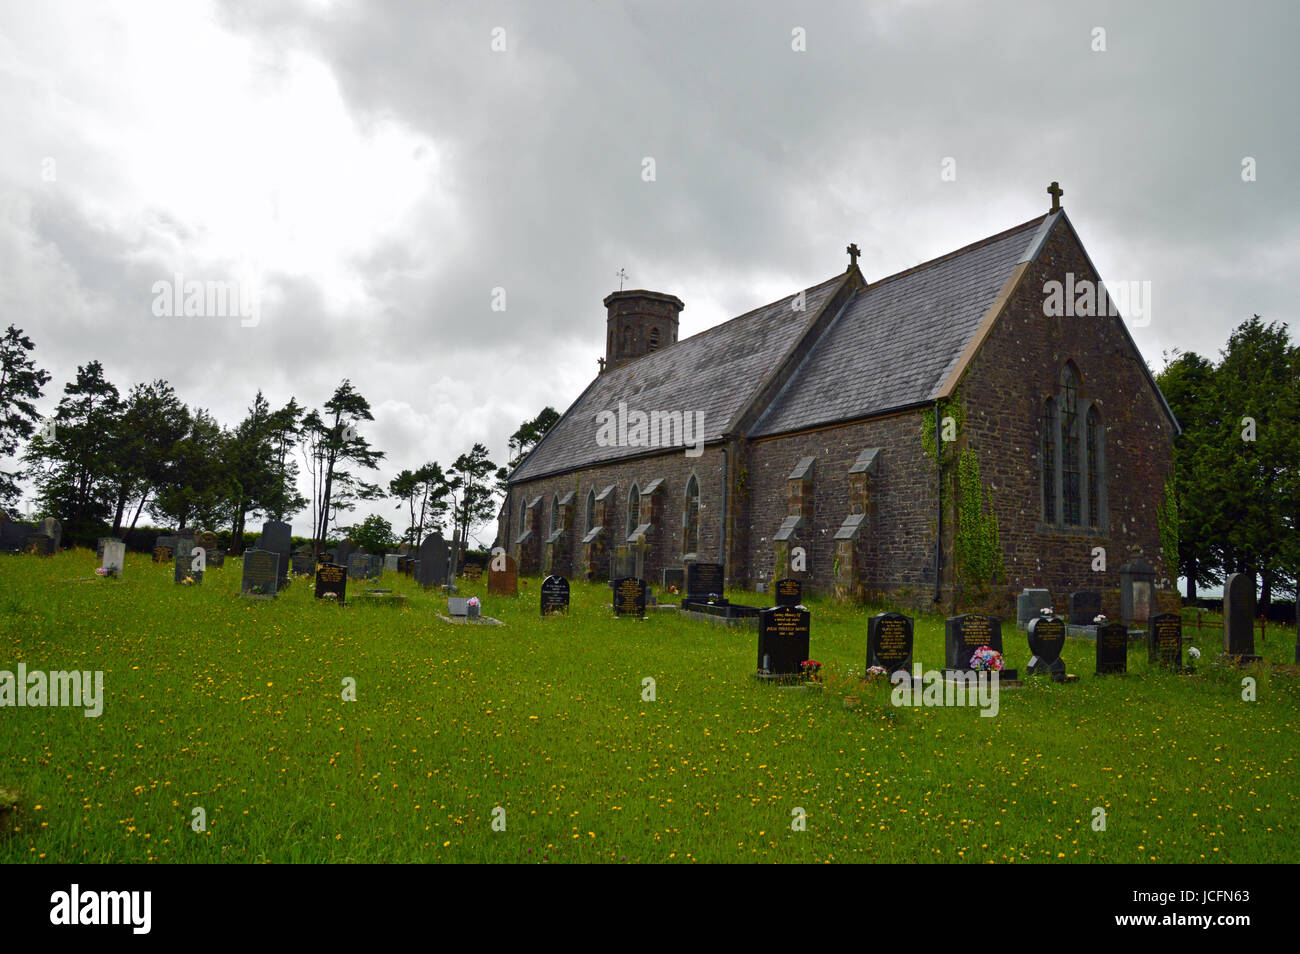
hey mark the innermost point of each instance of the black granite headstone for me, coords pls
(1085, 606)
(555, 595)
(261, 576)
(889, 641)
(703, 580)
(1046, 640)
(1239, 616)
(358, 566)
(629, 596)
(783, 635)
(432, 567)
(188, 566)
(278, 538)
(788, 592)
(331, 578)
(1165, 640)
(1112, 648)
(965, 634)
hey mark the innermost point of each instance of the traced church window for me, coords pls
(691, 517)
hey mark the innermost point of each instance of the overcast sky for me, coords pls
(376, 170)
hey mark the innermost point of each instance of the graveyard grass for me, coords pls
(235, 705)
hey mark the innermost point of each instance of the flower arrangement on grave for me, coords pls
(329, 596)
(876, 672)
(714, 597)
(987, 659)
(1099, 619)
(188, 581)
(812, 669)
(673, 589)
(1046, 611)
(473, 601)
(1193, 654)
(107, 572)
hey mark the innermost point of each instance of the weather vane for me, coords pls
(622, 277)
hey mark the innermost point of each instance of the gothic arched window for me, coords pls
(1095, 453)
(1073, 457)
(591, 511)
(691, 517)
(633, 509)
(555, 513)
(1070, 456)
(1049, 461)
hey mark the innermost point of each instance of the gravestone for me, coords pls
(1029, 604)
(163, 554)
(788, 592)
(1239, 616)
(704, 580)
(99, 546)
(1136, 592)
(358, 566)
(505, 582)
(1046, 640)
(186, 558)
(114, 555)
(889, 642)
(344, 552)
(208, 541)
(261, 576)
(673, 576)
(432, 566)
(375, 570)
(783, 635)
(278, 538)
(390, 562)
(406, 565)
(1112, 648)
(42, 544)
(458, 606)
(965, 634)
(52, 529)
(1165, 640)
(14, 536)
(1085, 607)
(331, 578)
(629, 596)
(304, 561)
(555, 595)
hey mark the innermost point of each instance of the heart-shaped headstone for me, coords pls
(1046, 638)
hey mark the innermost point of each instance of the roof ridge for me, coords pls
(721, 324)
(1037, 220)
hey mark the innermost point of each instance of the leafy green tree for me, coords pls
(1187, 383)
(21, 384)
(472, 493)
(193, 489)
(331, 441)
(374, 533)
(529, 435)
(153, 420)
(424, 494)
(73, 467)
(1235, 473)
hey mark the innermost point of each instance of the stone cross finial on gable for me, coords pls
(854, 252)
(1055, 191)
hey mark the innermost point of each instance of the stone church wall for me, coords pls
(1003, 393)
(675, 469)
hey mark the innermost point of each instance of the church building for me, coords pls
(799, 439)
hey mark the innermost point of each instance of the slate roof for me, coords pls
(893, 344)
(716, 372)
(898, 339)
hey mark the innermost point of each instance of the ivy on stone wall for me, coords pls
(978, 546)
(1168, 519)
